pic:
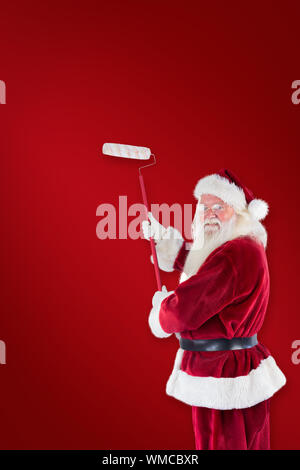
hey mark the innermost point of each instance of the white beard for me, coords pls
(238, 225)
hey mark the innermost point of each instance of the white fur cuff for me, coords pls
(155, 325)
(167, 249)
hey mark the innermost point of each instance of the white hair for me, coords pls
(240, 224)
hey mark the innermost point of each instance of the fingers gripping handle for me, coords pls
(152, 244)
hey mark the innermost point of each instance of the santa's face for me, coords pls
(211, 228)
(217, 214)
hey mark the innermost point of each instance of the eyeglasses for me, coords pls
(216, 208)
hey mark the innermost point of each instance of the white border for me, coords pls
(225, 393)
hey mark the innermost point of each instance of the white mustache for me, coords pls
(213, 220)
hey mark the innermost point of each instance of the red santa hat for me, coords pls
(227, 186)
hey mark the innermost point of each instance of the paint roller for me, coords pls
(138, 153)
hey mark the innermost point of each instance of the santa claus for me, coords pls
(221, 369)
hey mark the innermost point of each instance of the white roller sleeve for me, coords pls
(126, 151)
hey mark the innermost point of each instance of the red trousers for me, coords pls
(238, 429)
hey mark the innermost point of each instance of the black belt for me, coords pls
(218, 344)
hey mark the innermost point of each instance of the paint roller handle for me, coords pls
(152, 244)
(157, 275)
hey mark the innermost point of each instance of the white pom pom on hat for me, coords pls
(227, 186)
(258, 209)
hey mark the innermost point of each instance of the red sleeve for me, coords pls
(181, 257)
(200, 297)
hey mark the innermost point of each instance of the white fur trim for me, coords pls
(168, 248)
(155, 325)
(222, 188)
(153, 319)
(225, 393)
(258, 209)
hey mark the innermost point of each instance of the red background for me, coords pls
(205, 86)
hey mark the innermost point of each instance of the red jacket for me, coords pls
(226, 298)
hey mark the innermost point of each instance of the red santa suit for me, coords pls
(228, 390)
